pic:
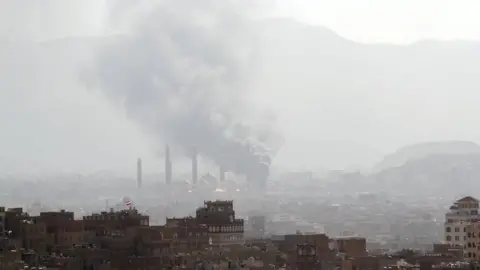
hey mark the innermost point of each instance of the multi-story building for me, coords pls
(125, 240)
(306, 258)
(55, 225)
(461, 214)
(471, 249)
(114, 221)
(33, 236)
(351, 246)
(223, 227)
(2, 220)
(256, 226)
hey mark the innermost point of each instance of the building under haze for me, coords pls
(224, 228)
(2, 220)
(139, 173)
(194, 167)
(471, 250)
(460, 215)
(168, 166)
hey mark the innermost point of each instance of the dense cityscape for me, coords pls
(214, 238)
(239, 134)
(228, 222)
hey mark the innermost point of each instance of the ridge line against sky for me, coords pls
(367, 21)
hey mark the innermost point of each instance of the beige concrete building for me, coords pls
(472, 245)
(461, 214)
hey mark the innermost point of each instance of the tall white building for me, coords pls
(462, 213)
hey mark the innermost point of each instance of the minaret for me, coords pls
(139, 173)
(222, 174)
(168, 166)
(194, 166)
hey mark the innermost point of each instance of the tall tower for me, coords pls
(139, 173)
(222, 174)
(168, 166)
(194, 166)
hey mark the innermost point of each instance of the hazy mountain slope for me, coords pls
(439, 175)
(380, 95)
(422, 150)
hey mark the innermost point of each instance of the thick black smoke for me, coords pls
(184, 74)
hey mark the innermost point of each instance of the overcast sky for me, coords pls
(99, 136)
(396, 21)
(365, 21)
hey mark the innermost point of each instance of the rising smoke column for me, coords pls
(184, 74)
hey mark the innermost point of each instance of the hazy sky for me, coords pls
(390, 21)
(97, 135)
(365, 21)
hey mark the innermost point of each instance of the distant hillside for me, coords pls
(372, 94)
(439, 174)
(422, 150)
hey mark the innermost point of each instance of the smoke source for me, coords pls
(184, 74)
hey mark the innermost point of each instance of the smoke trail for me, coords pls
(184, 74)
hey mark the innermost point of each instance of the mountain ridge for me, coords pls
(413, 152)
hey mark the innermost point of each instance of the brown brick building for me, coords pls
(124, 240)
(219, 217)
(351, 246)
(34, 236)
(114, 221)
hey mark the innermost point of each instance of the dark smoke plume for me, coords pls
(184, 74)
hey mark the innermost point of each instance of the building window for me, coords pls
(448, 238)
(457, 238)
(457, 229)
(448, 229)
(469, 235)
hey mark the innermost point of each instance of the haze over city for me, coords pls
(327, 112)
(239, 134)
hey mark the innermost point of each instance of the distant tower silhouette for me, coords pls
(194, 166)
(139, 173)
(168, 166)
(222, 174)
